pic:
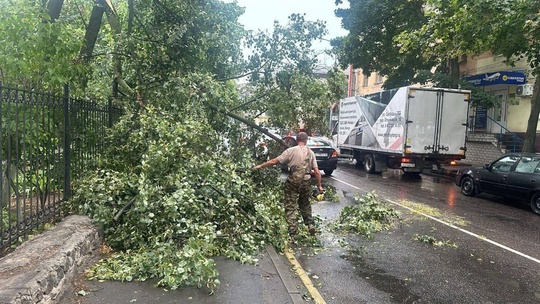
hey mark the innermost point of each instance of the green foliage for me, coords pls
(449, 30)
(307, 101)
(35, 51)
(337, 83)
(5, 218)
(169, 195)
(479, 97)
(365, 218)
(371, 44)
(175, 38)
(282, 83)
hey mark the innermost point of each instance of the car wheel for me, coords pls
(328, 172)
(467, 186)
(535, 203)
(369, 164)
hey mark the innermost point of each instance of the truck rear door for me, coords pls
(436, 121)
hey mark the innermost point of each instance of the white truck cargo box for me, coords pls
(409, 128)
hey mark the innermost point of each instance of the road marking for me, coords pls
(304, 277)
(453, 226)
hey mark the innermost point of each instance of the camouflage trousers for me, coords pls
(297, 197)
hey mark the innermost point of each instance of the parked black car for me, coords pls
(326, 155)
(514, 175)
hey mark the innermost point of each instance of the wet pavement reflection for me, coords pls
(394, 267)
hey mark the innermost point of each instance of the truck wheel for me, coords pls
(369, 164)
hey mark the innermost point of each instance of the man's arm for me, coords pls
(272, 162)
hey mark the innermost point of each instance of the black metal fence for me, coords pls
(46, 140)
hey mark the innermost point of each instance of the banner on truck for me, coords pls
(375, 120)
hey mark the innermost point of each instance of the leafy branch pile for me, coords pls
(365, 218)
(170, 195)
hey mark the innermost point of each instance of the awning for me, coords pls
(502, 77)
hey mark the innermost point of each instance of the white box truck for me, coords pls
(408, 128)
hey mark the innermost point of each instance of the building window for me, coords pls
(365, 80)
(379, 78)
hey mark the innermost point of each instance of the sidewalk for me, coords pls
(47, 269)
(271, 281)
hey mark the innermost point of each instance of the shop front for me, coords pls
(501, 84)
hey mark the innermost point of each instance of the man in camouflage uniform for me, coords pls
(302, 162)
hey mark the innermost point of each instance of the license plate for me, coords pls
(321, 154)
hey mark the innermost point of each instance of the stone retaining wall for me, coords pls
(40, 269)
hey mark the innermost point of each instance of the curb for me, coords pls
(40, 269)
(285, 276)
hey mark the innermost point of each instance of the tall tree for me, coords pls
(451, 31)
(281, 75)
(516, 35)
(371, 44)
(467, 27)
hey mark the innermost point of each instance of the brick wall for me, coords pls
(482, 148)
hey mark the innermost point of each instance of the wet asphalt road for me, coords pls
(490, 250)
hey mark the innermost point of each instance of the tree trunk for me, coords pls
(453, 66)
(90, 37)
(116, 28)
(92, 31)
(54, 7)
(530, 135)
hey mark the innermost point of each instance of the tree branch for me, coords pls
(251, 124)
(251, 101)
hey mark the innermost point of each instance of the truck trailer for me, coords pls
(408, 128)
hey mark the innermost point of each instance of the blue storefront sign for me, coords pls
(502, 77)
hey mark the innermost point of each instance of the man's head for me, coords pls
(302, 137)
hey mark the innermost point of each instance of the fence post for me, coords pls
(110, 113)
(67, 146)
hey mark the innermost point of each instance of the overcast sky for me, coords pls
(260, 15)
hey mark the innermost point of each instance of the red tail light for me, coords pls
(405, 160)
(334, 154)
(453, 163)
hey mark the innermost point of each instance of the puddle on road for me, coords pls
(398, 289)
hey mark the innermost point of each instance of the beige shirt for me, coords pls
(294, 156)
